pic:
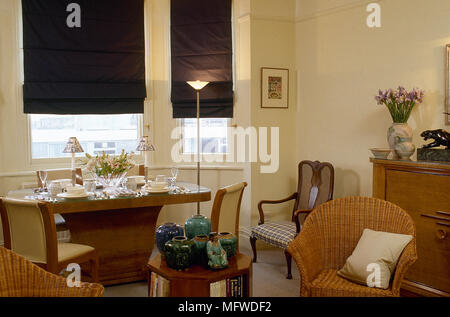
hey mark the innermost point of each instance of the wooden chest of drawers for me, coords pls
(423, 190)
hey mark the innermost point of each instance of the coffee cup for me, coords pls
(75, 190)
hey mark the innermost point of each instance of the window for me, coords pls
(213, 135)
(96, 133)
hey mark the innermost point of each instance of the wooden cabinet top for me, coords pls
(413, 165)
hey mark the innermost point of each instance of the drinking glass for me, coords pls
(54, 188)
(131, 184)
(174, 171)
(89, 185)
(173, 179)
(43, 178)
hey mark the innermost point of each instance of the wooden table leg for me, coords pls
(123, 238)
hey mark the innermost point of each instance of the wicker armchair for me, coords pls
(21, 278)
(329, 236)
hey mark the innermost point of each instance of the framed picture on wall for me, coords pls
(447, 85)
(274, 88)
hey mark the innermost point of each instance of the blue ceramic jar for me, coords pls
(166, 232)
(178, 253)
(197, 225)
(228, 241)
(199, 253)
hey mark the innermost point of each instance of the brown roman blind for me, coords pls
(202, 49)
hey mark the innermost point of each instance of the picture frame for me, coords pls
(447, 84)
(274, 88)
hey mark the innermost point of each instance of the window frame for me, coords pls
(211, 158)
(65, 161)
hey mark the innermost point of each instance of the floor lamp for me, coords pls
(198, 85)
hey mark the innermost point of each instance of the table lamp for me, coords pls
(198, 85)
(145, 146)
(73, 146)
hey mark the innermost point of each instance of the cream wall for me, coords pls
(342, 63)
(272, 45)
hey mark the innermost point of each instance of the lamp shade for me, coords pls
(198, 85)
(145, 144)
(73, 146)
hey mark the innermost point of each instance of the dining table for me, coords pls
(121, 228)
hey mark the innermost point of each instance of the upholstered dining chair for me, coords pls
(331, 233)
(62, 173)
(29, 230)
(315, 186)
(21, 278)
(226, 207)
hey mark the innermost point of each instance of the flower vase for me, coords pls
(398, 133)
(111, 182)
(197, 225)
(167, 232)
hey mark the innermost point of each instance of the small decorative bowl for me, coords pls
(381, 153)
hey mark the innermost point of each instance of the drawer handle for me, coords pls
(441, 234)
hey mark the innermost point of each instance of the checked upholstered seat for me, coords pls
(278, 234)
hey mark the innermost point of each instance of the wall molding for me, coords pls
(260, 17)
(335, 10)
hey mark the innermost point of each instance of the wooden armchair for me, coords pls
(21, 278)
(315, 186)
(331, 233)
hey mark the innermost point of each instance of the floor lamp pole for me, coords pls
(198, 147)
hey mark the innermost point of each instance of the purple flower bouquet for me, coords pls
(400, 102)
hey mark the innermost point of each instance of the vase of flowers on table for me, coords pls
(400, 104)
(109, 170)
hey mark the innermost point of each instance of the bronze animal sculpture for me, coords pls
(440, 137)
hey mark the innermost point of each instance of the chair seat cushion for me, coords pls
(329, 284)
(67, 251)
(278, 234)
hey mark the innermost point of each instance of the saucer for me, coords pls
(66, 195)
(157, 190)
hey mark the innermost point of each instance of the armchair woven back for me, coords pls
(339, 225)
(21, 278)
(331, 232)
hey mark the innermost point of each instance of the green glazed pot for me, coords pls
(178, 253)
(197, 225)
(228, 241)
(199, 250)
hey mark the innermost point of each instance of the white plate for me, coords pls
(66, 195)
(157, 190)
